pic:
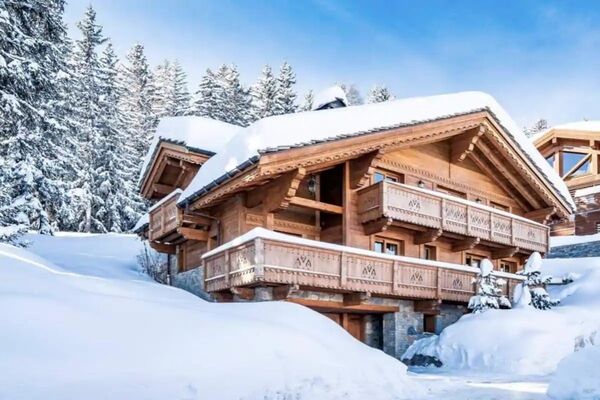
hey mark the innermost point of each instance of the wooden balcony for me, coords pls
(171, 224)
(407, 204)
(312, 264)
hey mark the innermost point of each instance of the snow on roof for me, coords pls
(329, 95)
(175, 192)
(584, 126)
(263, 233)
(587, 191)
(300, 129)
(198, 133)
(141, 223)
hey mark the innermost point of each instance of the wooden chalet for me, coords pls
(374, 215)
(573, 150)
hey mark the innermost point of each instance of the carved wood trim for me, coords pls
(464, 144)
(431, 235)
(363, 167)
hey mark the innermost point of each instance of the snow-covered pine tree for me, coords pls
(539, 126)
(171, 96)
(309, 99)
(87, 89)
(378, 94)
(234, 105)
(181, 90)
(208, 97)
(33, 58)
(139, 121)
(352, 94)
(266, 96)
(286, 94)
(489, 293)
(535, 284)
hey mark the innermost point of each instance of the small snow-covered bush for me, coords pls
(489, 290)
(533, 288)
(154, 264)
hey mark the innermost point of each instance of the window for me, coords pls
(508, 266)
(473, 260)
(575, 164)
(452, 192)
(430, 253)
(379, 176)
(388, 246)
(550, 160)
(499, 206)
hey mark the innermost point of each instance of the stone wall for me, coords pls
(401, 329)
(589, 249)
(449, 314)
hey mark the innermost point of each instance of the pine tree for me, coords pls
(489, 291)
(234, 106)
(286, 94)
(88, 113)
(208, 97)
(309, 100)
(136, 103)
(181, 91)
(379, 94)
(266, 100)
(535, 284)
(352, 94)
(171, 96)
(539, 126)
(33, 62)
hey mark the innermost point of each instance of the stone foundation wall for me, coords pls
(401, 329)
(589, 249)
(449, 314)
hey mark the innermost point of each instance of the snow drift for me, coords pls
(523, 341)
(73, 332)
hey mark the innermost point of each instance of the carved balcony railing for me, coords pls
(165, 217)
(440, 211)
(264, 261)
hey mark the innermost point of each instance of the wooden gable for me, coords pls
(475, 144)
(173, 166)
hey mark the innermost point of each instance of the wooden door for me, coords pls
(354, 325)
(336, 317)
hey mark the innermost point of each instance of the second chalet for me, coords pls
(376, 215)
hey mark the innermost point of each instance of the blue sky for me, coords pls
(539, 59)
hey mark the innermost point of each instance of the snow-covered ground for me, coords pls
(556, 241)
(79, 321)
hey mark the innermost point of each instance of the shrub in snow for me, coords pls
(154, 264)
(532, 291)
(489, 290)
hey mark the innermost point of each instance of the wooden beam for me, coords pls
(464, 143)
(542, 215)
(427, 307)
(504, 253)
(283, 292)
(196, 219)
(431, 235)
(323, 305)
(161, 188)
(243, 293)
(223, 297)
(494, 176)
(193, 234)
(276, 194)
(500, 165)
(466, 244)
(363, 167)
(316, 205)
(163, 248)
(356, 298)
(377, 226)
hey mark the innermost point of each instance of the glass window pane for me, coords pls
(391, 248)
(378, 177)
(378, 247)
(583, 169)
(570, 159)
(550, 159)
(391, 179)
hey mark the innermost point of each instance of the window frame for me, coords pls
(387, 241)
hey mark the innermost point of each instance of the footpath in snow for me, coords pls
(80, 321)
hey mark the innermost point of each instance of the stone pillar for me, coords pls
(374, 330)
(401, 329)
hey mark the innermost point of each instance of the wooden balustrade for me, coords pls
(272, 262)
(424, 208)
(164, 219)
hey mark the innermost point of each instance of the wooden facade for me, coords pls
(455, 190)
(574, 155)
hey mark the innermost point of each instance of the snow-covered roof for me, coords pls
(263, 233)
(162, 201)
(584, 126)
(301, 129)
(201, 134)
(329, 95)
(141, 223)
(587, 191)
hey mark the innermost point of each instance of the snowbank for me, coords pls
(523, 341)
(69, 335)
(329, 95)
(578, 375)
(291, 130)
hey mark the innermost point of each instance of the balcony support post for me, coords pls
(343, 270)
(466, 244)
(259, 259)
(431, 235)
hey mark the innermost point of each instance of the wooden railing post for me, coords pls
(227, 271)
(343, 270)
(443, 213)
(468, 219)
(396, 277)
(259, 259)
(512, 231)
(439, 284)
